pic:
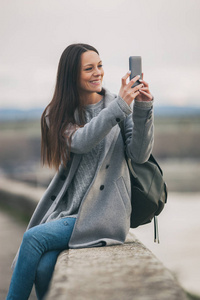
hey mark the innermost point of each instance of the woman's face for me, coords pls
(91, 73)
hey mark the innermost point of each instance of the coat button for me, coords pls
(118, 120)
(63, 177)
(53, 197)
(107, 166)
(101, 187)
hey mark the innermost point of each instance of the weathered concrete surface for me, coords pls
(124, 272)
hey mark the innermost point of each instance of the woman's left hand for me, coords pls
(144, 94)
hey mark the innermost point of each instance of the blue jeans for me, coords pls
(38, 253)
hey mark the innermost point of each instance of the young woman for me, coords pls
(88, 201)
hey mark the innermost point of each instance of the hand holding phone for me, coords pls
(135, 66)
(139, 88)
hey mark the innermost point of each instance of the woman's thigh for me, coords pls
(54, 235)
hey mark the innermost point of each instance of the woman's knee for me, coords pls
(27, 237)
(30, 241)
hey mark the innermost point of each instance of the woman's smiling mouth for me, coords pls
(95, 82)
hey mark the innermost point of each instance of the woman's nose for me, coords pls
(97, 72)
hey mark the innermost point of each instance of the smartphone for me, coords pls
(135, 66)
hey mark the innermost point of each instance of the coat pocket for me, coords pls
(121, 186)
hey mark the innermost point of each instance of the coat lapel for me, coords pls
(112, 136)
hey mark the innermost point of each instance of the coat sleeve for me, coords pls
(83, 139)
(139, 132)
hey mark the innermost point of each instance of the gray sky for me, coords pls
(34, 33)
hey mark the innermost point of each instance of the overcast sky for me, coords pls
(34, 33)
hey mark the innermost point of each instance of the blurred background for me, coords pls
(166, 34)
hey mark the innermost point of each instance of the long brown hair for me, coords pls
(60, 111)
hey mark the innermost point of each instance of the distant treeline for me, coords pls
(177, 137)
(32, 114)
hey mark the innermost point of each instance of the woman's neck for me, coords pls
(90, 98)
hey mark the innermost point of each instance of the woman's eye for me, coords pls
(88, 69)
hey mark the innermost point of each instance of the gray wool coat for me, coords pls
(104, 214)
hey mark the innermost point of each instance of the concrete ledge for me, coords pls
(19, 196)
(123, 272)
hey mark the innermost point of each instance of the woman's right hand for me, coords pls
(126, 92)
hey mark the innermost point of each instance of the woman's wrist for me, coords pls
(124, 106)
(144, 104)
